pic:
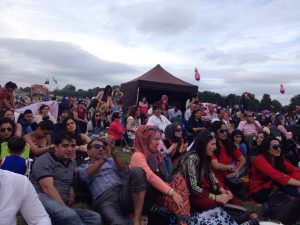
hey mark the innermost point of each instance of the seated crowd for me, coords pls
(186, 162)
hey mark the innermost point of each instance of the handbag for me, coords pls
(277, 198)
(179, 184)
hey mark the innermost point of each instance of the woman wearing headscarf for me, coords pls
(148, 157)
(174, 141)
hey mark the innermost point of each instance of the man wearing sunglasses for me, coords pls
(52, 176)
(250, 128)
(114, 198)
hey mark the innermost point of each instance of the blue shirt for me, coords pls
(106, 177)
(14, 163)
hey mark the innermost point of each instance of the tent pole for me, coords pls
(137, 95)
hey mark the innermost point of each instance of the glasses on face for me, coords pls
(238, 136)
(69, 145)
(2, 130)
(276, 146)
(97, 115)
(70, 123)
(178, 129)
(97, 146)
(222, 131)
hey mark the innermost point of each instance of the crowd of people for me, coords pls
(187, 162)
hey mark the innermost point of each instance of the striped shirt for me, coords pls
(106, 177)
(194, 177)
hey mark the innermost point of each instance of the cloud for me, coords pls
(241, 57)
(31, 58)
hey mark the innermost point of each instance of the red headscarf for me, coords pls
(143, 135)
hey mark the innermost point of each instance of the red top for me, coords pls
(8, 95)
(263, 174)
(81, 114)
(116, 129)
(224, 158)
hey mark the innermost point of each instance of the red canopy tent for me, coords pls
(154, 84)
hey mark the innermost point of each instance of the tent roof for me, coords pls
(160, 75)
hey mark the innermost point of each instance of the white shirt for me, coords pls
(18, 194)
(173, 114)
(160, 121)
(187, 114)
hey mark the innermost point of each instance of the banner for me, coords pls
(53, 109)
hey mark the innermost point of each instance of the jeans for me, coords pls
(64, 215)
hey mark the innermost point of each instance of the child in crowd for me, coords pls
(14, 162)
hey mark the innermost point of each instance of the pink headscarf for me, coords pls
(142, 140)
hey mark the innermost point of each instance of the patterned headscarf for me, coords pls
(143, 135)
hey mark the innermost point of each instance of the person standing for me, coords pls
(6, 97)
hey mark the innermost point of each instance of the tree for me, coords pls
(276, 105)
(212, 97)
(69, 87)
(265, 102)
(294, 101)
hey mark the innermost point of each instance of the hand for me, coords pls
(173, 147)
(71, 197)
(178, 200)
(228, 192)
(223, 198)
(233, 174)
(183, 148)
(111, 145)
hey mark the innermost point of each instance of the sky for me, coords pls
(237, 46)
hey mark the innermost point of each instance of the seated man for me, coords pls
(52, 175)
(157, 119)
(250, 128)
(113, 199)
(18, 194)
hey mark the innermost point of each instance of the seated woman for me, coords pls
(174, 141)
(269, 172)
(82, 139)
(18, 127)
(148, 157)
(261, 135)
(80, 116)
(7, 128)
(40, 139)
(96, 126)
(44, 113)
(133, 122)
(27, 123)
(195, 125)
(205, 190)
(227, 160)
(116, 128)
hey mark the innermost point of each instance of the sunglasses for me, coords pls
(276, 146)
(6, 129)
(178, 129)
(97, 146)
(154, 128)
(69, 145)
(71, 123)
(97, 115)
(222, 131)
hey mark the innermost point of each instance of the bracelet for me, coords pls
(170, 192)
(212, 196)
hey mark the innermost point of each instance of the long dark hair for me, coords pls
(108, 90)
(93, 119)
(279, 161)
(229, 145)
(199, 147)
